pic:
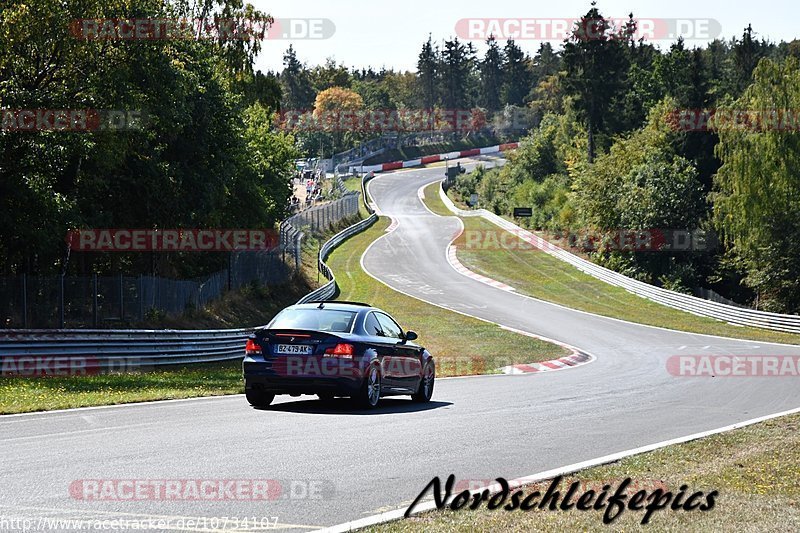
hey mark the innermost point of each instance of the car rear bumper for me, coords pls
(317, 376)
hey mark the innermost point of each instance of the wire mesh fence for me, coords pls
(112, 301)
(119, 301)
(315, 219)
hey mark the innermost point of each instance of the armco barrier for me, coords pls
(685, 302)
(117, 349)
(126, 349)
(328, 290)
(434, 158)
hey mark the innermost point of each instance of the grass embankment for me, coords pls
(542, 276)
(442, 331)
(248, 307)
(354, 184)
(755, 470)
(23, 395)
(462, 345)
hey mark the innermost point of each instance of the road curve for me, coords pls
(476, 428)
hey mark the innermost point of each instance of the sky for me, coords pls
(375, 33)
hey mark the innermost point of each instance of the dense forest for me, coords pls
(622, 135)
(202, 155)
(616, 134)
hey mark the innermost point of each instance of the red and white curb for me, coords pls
(393, 225)
(396, 165)
(452, 258)
(576, 358)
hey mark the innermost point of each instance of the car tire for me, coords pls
(425, 390)
(258, 398)
(370, 393)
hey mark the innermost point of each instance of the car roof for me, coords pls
(343, 306)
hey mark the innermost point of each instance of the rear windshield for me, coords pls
(314, 319)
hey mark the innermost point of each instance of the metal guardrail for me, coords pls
(126, 349)
(685, 302)
(328, 290)
(122, 349)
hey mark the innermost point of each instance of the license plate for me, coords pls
(302, 349)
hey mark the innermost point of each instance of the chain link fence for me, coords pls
(112, 301)
(117, 301)
(315, 219)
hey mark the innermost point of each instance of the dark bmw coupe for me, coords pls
(336, 349)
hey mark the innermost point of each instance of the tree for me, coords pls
(757, 188)
(491, 75)
(330, 108)
(642, 184)
(746, 53)
(264, 89)
(457, 62)
(517, 80)
(329, 75)
(193, 143)
(595, 63)
(298, 92)
(546, 63)
(428, 74)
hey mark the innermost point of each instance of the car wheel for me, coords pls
(425, 390)
(370, 393)
(258, 398)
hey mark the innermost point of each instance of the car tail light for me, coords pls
(345, 351)
(252, 348)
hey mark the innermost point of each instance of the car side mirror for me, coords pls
(410, 336)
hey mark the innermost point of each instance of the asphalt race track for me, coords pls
(357, 463)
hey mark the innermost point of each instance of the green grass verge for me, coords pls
(462, 345)
(537, 274)
(23, 395)
(250, 306)
(754, 469)
(434, 201)
(354, 184)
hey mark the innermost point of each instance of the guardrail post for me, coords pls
(61, 301)
(94, 300)
(230, 268)
(298, 245)
(141, 297)
(25, 301)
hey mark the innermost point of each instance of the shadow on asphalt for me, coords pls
(345, 406)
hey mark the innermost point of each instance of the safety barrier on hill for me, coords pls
(78, 351)
(685, 302)
(35, 352)
(328, 290)
(433, 158)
